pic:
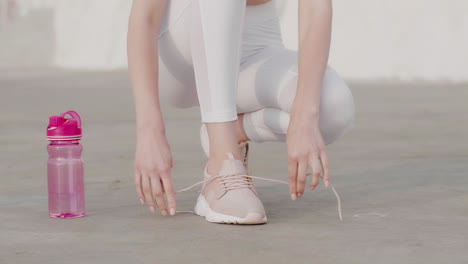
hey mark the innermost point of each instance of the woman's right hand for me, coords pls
(153, 164)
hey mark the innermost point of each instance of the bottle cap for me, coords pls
(61, 128)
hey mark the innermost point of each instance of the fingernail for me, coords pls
(152, 209)
(293, 196)
(164, 212)
(141, 201)
(172, 211)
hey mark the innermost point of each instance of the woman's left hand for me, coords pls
(305, 147)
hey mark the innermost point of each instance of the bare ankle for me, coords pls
(213, 166)
(241, 135)
(215, 162)
(223, 140)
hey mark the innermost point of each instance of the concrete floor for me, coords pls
(401, 173)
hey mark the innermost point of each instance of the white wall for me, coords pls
(396, 39)
(372, 39)
(91, 33)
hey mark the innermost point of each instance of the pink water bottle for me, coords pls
(65, 166)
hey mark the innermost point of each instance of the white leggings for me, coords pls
(229, 59)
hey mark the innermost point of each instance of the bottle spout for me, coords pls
(55, 121)
(61, 128)
(74, 115)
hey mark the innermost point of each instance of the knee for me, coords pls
(337, 107)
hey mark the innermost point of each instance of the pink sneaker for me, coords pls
(230, 196)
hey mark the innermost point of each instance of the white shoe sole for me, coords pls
(203, 209)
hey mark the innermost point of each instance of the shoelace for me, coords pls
(245, 181)
(235, 181)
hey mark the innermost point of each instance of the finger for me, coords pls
(326, 171)
(301, 177)
(292, 176)
(316, 169)
(158, 194)
(162, 186)
(170, 194)
(146, 186)
(137, 180)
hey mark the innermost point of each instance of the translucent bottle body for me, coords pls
(65, 175)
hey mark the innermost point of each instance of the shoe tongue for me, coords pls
(232, 166)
